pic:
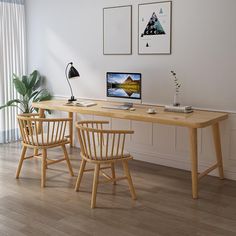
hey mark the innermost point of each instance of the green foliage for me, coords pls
(28, 88)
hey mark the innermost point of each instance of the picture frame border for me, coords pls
(131, 30)
(170, 46)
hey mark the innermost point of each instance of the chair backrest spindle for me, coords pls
(42, 131)
(100, 144)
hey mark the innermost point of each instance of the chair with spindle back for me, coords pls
(43, 133)
(100, 146)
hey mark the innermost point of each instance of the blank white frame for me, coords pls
(117, 30)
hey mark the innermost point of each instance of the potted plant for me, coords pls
(177, 87)
(29, 89)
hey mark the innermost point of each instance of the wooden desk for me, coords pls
(192, 121)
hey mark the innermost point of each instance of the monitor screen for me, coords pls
(124, 85)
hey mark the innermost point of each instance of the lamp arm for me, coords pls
(68, 79)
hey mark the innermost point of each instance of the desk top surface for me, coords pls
(196, 119)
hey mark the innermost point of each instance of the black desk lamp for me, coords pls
(71, 74)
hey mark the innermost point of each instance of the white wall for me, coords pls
(203, 55)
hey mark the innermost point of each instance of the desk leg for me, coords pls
(216, 137)
(193, 146)
(71, 128)
(41, 115)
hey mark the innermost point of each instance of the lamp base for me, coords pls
(72, 99)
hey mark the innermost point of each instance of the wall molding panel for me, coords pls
(169, 145)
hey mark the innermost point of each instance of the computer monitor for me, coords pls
(124, 87)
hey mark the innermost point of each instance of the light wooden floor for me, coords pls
(164, 205)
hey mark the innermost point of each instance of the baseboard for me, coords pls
(179, 164)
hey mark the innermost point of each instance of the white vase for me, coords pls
(176, 100)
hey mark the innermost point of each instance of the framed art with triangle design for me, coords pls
(154, 30)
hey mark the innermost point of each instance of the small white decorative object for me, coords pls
(151, 111)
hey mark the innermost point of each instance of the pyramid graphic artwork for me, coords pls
(153, 27)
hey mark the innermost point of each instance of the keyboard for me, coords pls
(117, 107)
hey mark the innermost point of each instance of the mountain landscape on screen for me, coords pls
(129, 86)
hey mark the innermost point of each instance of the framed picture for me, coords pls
(117, 30)
(154, 30)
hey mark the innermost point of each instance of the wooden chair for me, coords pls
(103, 148)
(42, 133)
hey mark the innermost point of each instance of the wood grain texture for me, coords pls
(41, 133)
(194, 159)
(217, 142)
(70, 114)
(100, 146)
(163, 206)
(194, 120)
(197, 119)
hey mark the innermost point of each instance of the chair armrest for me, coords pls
(105, 131)
(52, 119)
(92, 122)
(29, 114)
(113, 131)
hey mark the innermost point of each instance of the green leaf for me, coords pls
(25, 81)
(34, 78)
(1, 107)
(29, 93)
(20, 87)
(43, 96)
(11, 106)
(15, 76)
(18, 108)
(27, 86)
(9, 103)
(35, 94)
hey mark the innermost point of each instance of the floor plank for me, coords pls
(164, 206)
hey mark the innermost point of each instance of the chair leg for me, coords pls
(67, 160)
(80, 175)
(21, 161)
(43, 168)
(95, 185)
(36, 151)
(113, 172)
(130, 182)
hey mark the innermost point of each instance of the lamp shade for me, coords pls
(73, 72)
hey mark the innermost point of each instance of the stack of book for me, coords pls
(81, 104)
(182, 109)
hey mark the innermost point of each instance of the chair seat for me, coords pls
(43, 133)
(47, 141)
(101, 146)
(109, 153)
